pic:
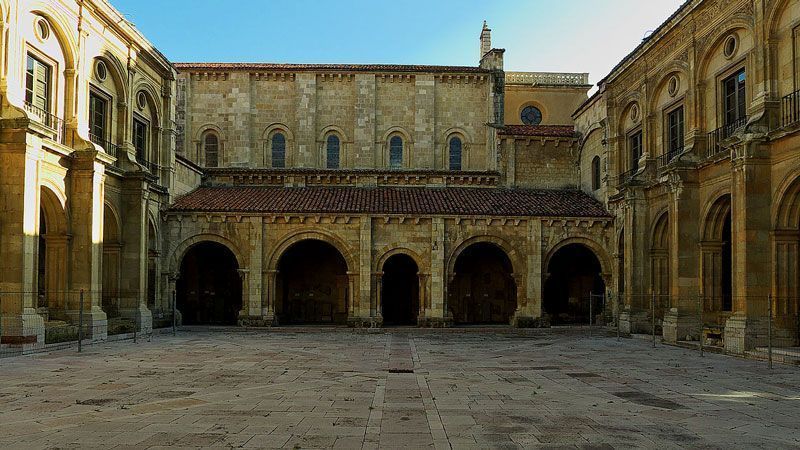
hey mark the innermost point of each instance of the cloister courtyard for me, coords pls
(339, 388)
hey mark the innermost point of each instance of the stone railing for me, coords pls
(549, 78)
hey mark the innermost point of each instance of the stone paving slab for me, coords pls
(400, 388)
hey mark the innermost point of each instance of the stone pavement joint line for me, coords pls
(396, 388)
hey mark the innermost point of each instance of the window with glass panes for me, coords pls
(37, 83)
(455, 153)
(332, 152)
(734, 98)
(635, 148)
(211, 146)
(675, 130)
(278, 150)
(595, 173)
(98, 116)
(140, 139)
(396, 152)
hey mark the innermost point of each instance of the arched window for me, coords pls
(455, 153)
(595, 173)
(395, 152)
(211, 150)
(332, 151)
(278, 150)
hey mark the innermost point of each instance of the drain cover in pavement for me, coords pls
(401, 370)
(643, 398)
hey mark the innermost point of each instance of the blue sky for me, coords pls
(538, 35)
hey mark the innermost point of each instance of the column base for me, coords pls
(140, 316)
(744, 333)
(95, 322)
(634, 322)
(679, 325)
(22, 330)
(365, 322)
(520, 321)
(265, 320)
(435, 322)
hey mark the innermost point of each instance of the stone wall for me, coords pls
(364, 110)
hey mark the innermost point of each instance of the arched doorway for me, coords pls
(111, 263)
(312, 284)
(574, 279)
(209, 290)
(152, 259)
(786, 267)
(52, 257)
(400, 291)
(717, 266)
(483, 290)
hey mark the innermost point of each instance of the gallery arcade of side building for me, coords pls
(367, 195)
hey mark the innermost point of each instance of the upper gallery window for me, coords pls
(37, 84)
(733, 89)
(455, 153)
(675, 131)
(332, 151)
(531, 115)
(278, 151)
(211, 149)
(395, 152)
(635, 148)
(140, 139)
(595, 173)
(98, 117)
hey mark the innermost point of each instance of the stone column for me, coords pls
(439, 315)
(746, 328)
(87, 177)
(376, 309)
(529, 307)
(133, 290)
(352, 296)
(635, 315)
(366, 310)
(19, 195)
(681, 320)
(170, 297)
(247, 300)
(424, 299)
(270, 278)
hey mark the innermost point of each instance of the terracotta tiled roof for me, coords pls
(566, 131)
(392, 200)
(327, 67)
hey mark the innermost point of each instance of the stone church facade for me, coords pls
(367, 195)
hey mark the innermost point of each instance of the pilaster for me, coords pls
(87, 177)
(364, 139)
(424, 156)
(133, 288)
(751, 250)
(305, 115)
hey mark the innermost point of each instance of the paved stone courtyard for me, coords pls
(338, 388)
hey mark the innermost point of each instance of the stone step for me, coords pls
(784, 355)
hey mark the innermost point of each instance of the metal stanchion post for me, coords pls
(174, 319)
(619, 312)
(80, 324)
(591, 310)
(135, 320)
(769, 332)
(653, 313)
(700, 315)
